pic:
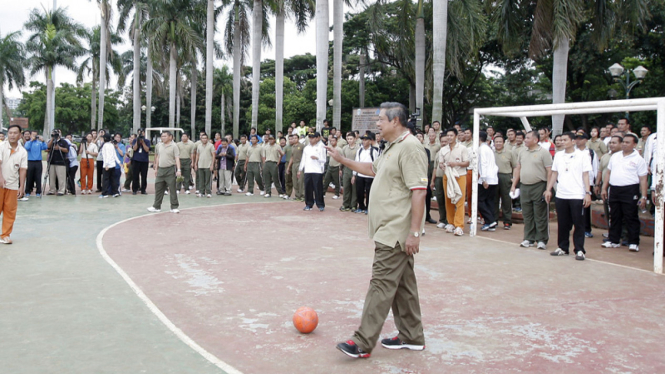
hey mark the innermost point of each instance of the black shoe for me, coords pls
(134, 193)
(143, 193)
(430, 220)
(307, 208)
(396, 343)
(350, 349)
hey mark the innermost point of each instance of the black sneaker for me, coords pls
(396, 343)
(350, 349)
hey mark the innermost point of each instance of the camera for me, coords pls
(55, 134)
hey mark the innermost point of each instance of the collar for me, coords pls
(399, 139)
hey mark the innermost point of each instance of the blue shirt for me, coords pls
(121, 158)
(140, 154)
(35, 148)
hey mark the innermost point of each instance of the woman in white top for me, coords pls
(100, 160)
(88, 151)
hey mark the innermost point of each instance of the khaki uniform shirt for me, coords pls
(287, 152)
(332, 161)
(602, 166)
(186, 149)
(433, 150)
(296, 153)
(598, 145)
(254, 153)
(242, 151)
(507, 146)
(459, 153)
(517, 149)
(205, 158)
(167, 154)
(271, 153)
(12, 162)
(341, 142)
(534, 165)
(505, 160)
(401, 168)
(350, 152)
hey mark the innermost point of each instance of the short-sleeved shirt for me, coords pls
(58, 157)
(141, 155)
(242, 151)
(439, 159)
(287, 153)
(332, 161)
(602, 166)
(271, 152)
(433, 150)
(505, 160)
(204, 152)
(167, 154)
(458, 153)
(296, 153)
(92, 147)
(401, 169)
(598, 146)
(12, 162)
(517, 149)
(254, 153)
(626, 170)
(533, 165)
(571, 168)
(186, 149)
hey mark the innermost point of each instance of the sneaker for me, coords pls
(61, 194)
(24, 198)
(143, 193)
(198, 195)
(166, 192)
(38, 195)
(542, 245)
(633, 248)
(606, 235)
(321, 209)
(266, 195)
(187, 192)
(103, 196)
(285, 197)
(335, 197)
(262, 193)
(350, 349)
(450, 228)
(440, 225)
(559, 252)
(175, 210)
(610, 245)
(588, 235)
(494, 224)
(208, 196)
(579, 256)
(227, 194)
(116, 195)
(459, 231)
(526, 244)
(486, 227)
(126, 190)
(344, 209)
(5, 240)
(249, 194)
(240, 190)
(507, 226)
(152, 209)
(306, 208)
(396, 343)
(219, 193)
(358, 211)
(27, 195)
(197, 192)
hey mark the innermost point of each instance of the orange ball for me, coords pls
(305, 319)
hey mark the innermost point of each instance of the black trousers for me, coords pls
(314, 190)
(570, 213)
(34, 177)
(363, 186)
(71, 176)
(623, 207)
(486, 198)
(111, 181)
(140, 170)
(281, 168)
(100, 174)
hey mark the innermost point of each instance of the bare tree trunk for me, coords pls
(2, 102)
(210, 35)
(93, 101)
(148, 91)
(136, 91)
(420, 58)
(440, 32)
(361, 77)
(102, 65)
(321, 61)
(338, 28)
(257, 28)
(221, 109)
(279, 70)
(559, 77)
(236, 77)
(412, 98)
(192, 96)
(177, 109)
(49, 102)
(172, 85)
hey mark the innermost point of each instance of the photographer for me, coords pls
(140, 161)
(99, 141)
(34, 146)
(72, 165)
(57, 149)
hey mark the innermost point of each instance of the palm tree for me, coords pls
(223, 86)
(171, 34)
(54, 42)
(210, 41)
(236, 42)
(321, 61)
(12, 60)
(420, 54)
(125, 7)
(106, 12)
(260, 36)
(90, 65)
(301, 10)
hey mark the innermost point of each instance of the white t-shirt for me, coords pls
(571, 168)
(92, 147)
(626, 171)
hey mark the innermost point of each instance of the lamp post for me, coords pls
(147, 119)
(618, 72)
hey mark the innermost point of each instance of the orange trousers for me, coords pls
(8, 206)
(455, 212)
(87, 173)
(469, 184)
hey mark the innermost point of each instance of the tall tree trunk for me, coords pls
(420, 56)
(136, 92)
(223, 119)
(559, 78)
(210, 36)
(192, 97)
(338, 28)
(361, 78)
(177, 109)
(102, 64)
(148, 91)
(257, 28)
(49, 103)
(412, 98)
(172, 85)
(279, 70)
(93, 101)
(440, 32)
(2, 102)
(236, 76)
(322, 25)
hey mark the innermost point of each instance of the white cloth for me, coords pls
(626, 171)
(72, 154)
(12, 162)
(453, 191)
(100, 145)
(366, 155)
(488, 171)
(310, 165)
(571, 168)
(109, 156)
(649, 148)
(594, 164)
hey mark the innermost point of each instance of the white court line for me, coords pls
(153, 308)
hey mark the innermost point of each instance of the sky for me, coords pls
(15, 13)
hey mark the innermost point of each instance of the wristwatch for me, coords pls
(588, 192)
(415, 234)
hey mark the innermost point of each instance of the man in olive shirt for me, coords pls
(241, 159)
(272, 153)
(333, 173)
(204, 166)
(350, 199)
(534, 166)
(253, 166)
(167, 169)
(186, 148)
(433, 145)
(436, 181)
(396, 217)
(506, 162)
(297, 183)
(596, 144)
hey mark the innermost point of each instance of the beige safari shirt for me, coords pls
(12, 162)
(533, 165)
(242, 151)
(271, 153)
(167, 154)
(401, 168)
(186, 149)
(459, 153)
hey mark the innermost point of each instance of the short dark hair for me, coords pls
(14, 125)
(167, 132)
(243, 136)
(632, 136)
(569, 134)
(28, 131)
(224, 140)
(626, 119)
(519, 133)
(442, 135)
(482, 136)
(535, 133)
(454, 131)
(351, 133)
(499, 136)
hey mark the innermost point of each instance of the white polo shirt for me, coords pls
(571, 168)
(626, 171)
(12, 162)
